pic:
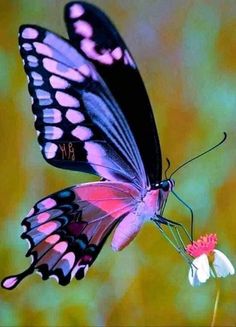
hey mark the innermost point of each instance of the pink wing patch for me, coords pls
(67, 230)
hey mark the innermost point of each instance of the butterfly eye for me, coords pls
(165, 186)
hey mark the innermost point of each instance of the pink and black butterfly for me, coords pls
(92, 114)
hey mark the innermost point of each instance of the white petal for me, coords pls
(203, 269)
(223, 267)
(192, 277)
(200, 270)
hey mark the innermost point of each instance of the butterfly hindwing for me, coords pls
(79, 124)
(94, 36)
(67, 230)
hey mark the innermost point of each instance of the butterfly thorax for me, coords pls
(154, 199)
(163, 188)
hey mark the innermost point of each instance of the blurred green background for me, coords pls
(186, 51)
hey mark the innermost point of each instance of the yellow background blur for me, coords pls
(186, 51)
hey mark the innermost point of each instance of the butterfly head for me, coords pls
(166, 185)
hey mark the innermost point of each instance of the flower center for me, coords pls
(204, 245)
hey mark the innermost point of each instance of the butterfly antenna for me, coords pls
(191, 213)
(200, 155)
(168, 166)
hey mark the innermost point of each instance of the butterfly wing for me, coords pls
(79, 124)
(67, 230)
(96, 38)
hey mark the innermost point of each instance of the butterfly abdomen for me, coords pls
(126, 231)
(132, 223)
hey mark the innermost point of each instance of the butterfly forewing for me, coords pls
(94, 36)
(79, 123)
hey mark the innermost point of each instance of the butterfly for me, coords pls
(93, 115)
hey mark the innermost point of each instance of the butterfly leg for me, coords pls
(172, 223)
(176, 240)
(173, 228)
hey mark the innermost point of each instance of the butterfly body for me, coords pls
(148, 207)
(92, 114)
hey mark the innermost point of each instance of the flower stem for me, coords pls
(216, 305)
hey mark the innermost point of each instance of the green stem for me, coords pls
(216, 304)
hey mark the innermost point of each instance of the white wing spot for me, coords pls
(50, 150)
(33, 61)
(67, 100)
(54, 277)
(29, 33)
(117, 53)
(38, 79)
(74, 116)
(76, 11)
(30, 213)
(44, 97)
(83, 28)
(51, 115)
(82, 133)
(53, 133)
(27, 46)
(58, 82)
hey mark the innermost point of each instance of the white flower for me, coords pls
(200, 270)
(208, 261)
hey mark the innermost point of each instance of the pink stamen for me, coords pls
(204, 245)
